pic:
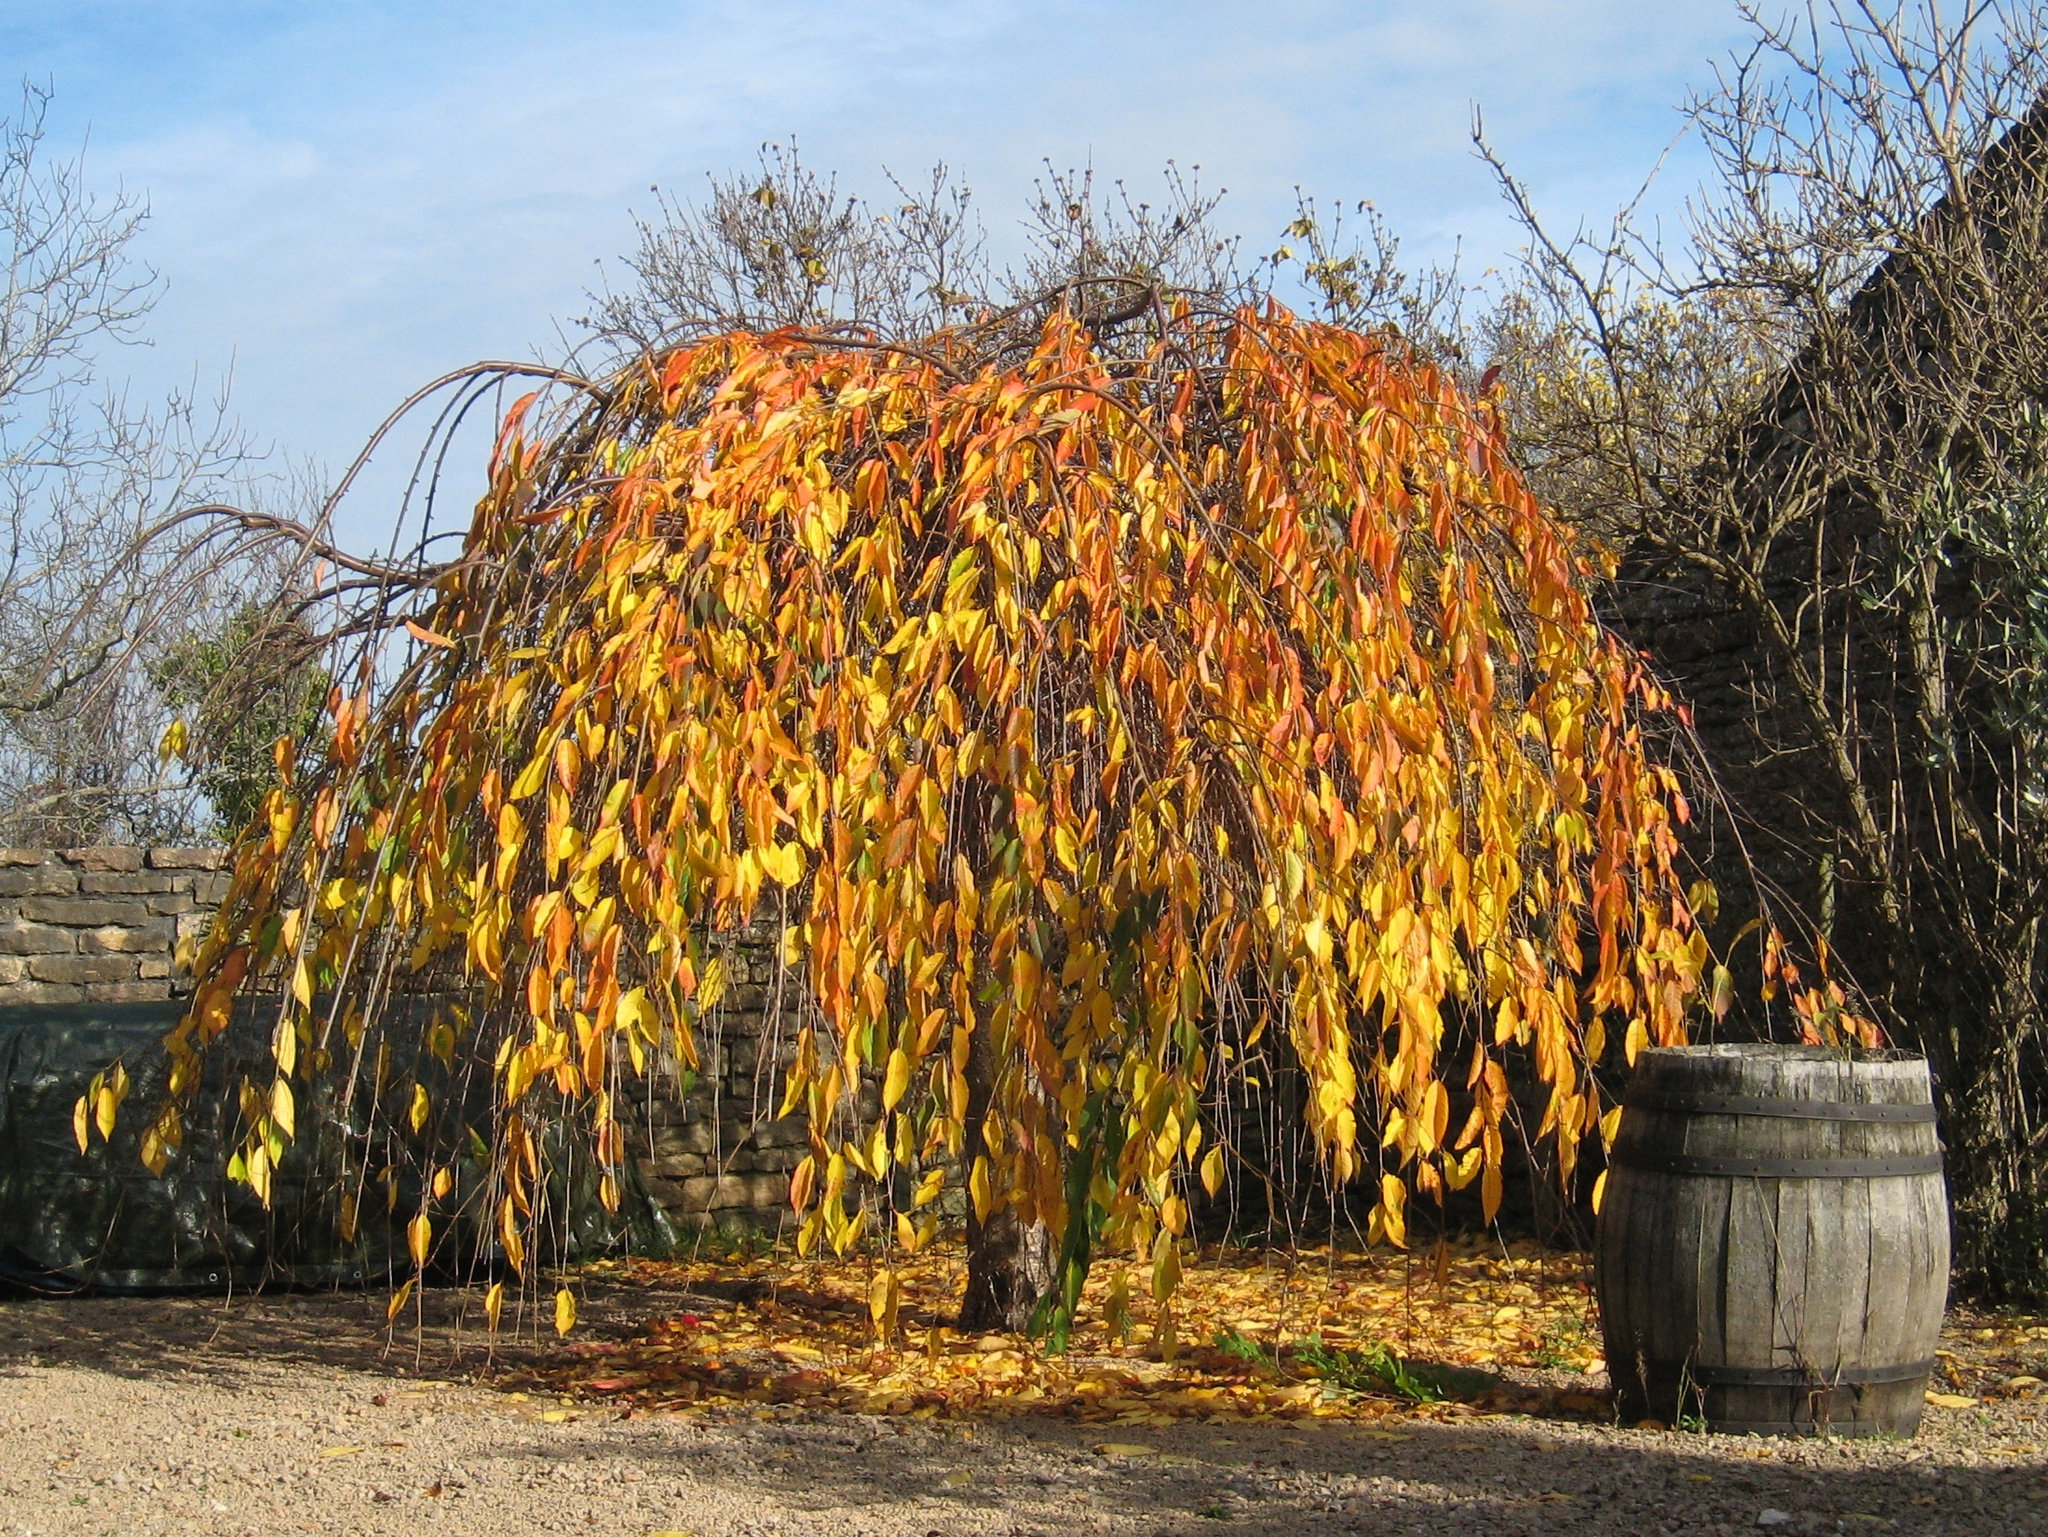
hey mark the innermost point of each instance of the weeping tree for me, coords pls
(1075, 709)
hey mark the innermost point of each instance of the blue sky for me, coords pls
(349, 198)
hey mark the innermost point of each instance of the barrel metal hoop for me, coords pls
(1791, 1109)
(1807, 1377)
(1775, 1168)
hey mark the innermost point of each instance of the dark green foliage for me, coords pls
(237, 690)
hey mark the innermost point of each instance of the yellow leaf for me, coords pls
(565, 1310)
(282, 1110)
(419, 1234)
(535, 774)
(81, 1123)
(1599, 1191)
(885, 1295)
(711, 984)
(1610, 1127)
(897, 1079)
(105, 1107)
(1461, 1173)
(397, 1304)
(784, 861)
(637, 1012)
(929, 1187)
(420, 632)
(1173, 1214)
(1212, 1170)
(494, 1304)
(511, 828)
(1165, 1268)
(1125, 1449)
(1065, 849)
(421, 1107)
(1724, 992)
(1638, 1037)
(978, 1189)
(1393, 1198)
(1951, 1401)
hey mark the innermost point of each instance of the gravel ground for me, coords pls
(282, 1414)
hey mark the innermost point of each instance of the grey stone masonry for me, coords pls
(714, 1154)
(102, 925)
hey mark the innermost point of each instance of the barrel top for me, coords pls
(1789, 1072)
(1773, 1052)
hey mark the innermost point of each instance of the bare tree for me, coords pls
(784, 247)
(1816, 433)
(84, 477)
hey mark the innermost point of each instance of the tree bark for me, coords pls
(1010, 1263)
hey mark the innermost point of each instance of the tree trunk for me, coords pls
(1009, 1263)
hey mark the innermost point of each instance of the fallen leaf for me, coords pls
(1951, 1401)
(1126, 1449)
(340, 1451)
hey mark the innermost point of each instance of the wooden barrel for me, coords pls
(1773, 1241)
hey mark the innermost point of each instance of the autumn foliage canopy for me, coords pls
(1063, 712)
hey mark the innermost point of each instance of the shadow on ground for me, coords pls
(759, 1469)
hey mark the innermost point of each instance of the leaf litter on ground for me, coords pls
(1251, 1335)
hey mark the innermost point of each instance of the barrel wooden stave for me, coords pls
(1703, 1277)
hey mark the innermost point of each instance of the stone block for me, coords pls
(126, 992)
(677, 1165)
(128, 939)
(23, 856)
(36, 939)
(12, 969)
(693, 1134)
(82, 968)
(726, 1192)
(104, 858)
(175, 902)
(37, 880)
(188, 859)
(46, 992)
(154, 968)
(663, 1192)
(127, 883)
(210, 890)
(80, 912)
(793, 1131)
(194, 925)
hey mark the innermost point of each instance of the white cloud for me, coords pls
(350, 199)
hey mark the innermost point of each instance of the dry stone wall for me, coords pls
(715, 1155)
(102, 925)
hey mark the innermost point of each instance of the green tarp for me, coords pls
(102, 1221)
